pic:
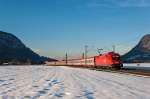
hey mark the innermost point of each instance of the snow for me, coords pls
(53, 82)
(139, 66)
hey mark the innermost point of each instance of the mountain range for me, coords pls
(13, 51)
(140, 53)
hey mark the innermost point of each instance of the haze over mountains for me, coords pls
(13, 51)
(140, 53)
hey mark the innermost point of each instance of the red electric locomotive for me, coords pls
(109, 60)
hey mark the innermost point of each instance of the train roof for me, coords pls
(109, 53)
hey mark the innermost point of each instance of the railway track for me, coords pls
(125, 71)
(121, 71)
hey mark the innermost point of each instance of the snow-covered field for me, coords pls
(50, 82)
(139, 66)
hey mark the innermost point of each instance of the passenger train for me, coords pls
(107, 60)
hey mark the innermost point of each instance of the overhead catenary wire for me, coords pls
(90, 50)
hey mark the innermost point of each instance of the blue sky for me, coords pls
(54, 27)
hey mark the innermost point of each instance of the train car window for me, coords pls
(116, 57)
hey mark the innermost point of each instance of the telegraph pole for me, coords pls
(82, 55)
(66, 58)
(86, 51)
(113, 48)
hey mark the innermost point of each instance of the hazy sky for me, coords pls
(54, 27)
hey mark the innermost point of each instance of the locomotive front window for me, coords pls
(116, 57)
